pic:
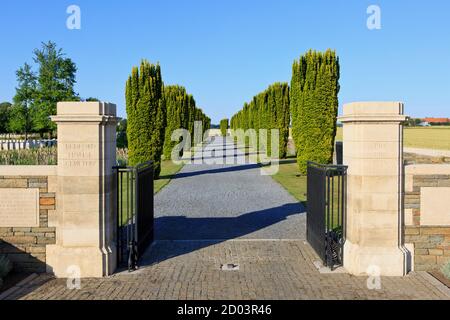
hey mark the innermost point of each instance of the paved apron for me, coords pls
(211, 215)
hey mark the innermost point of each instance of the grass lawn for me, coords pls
(426, 138)
(289, 177)
(168, 170)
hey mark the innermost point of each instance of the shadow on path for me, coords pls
(203, 232)
(213, 171)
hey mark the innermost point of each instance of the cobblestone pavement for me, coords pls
(213, 200)
(267, 270)
(211, 215)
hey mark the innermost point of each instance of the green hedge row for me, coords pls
(310, 105)
(224, 124)
(181, 114)
(268, 110)
(154, 112)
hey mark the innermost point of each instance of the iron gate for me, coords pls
(135, 212)
(326, 206)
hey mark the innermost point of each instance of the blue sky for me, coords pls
(225, 52)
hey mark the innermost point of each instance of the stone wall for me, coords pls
(415, 158)
(26, 246)
(427, 215)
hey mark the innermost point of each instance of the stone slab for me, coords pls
(19, 207)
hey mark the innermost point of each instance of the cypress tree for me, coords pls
(146, 115)
(314, 106)
(268, 110)
(224, 127)
(177, 109)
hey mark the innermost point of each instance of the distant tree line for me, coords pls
(154, 112)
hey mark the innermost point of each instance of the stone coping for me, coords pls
(28, 170)
(428, 152)
(427, 169)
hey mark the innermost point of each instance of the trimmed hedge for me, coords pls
(314, 106)
(146, 113)
(177, 105)
(224, 127)
(182, 112)
(268, 110)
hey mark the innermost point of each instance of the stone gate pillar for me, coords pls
(86, 223)
(373, 151)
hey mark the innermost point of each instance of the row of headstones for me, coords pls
(26, 144)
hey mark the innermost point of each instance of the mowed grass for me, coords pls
(425, 138)
(288, 176)
(168, 171)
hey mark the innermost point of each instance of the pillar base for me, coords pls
(391, 261)
(93, 262)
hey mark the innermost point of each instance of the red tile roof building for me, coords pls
(437, 120)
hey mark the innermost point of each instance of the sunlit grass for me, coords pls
(288, 176)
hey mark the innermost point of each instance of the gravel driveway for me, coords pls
(217, 201)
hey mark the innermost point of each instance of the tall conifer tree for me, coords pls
(314, 106)
(146, 114)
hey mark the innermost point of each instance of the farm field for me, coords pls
(425, 138)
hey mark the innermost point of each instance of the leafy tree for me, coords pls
(314, 106)
(20, 119)
(90, 99)
(55, 83)
(146, 114)
(5, 109)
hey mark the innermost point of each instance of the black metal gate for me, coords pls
(135, 212)
(326, 206)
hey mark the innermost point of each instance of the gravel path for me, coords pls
(207, 201)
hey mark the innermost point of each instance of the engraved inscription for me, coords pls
(78, 155)
(19, 207)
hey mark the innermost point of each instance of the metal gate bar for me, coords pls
(326, 192)
(135, 212)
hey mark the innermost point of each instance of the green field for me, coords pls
(425, 138)
(428, 138)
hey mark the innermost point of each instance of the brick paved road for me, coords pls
(268, 270)
(213, 215)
